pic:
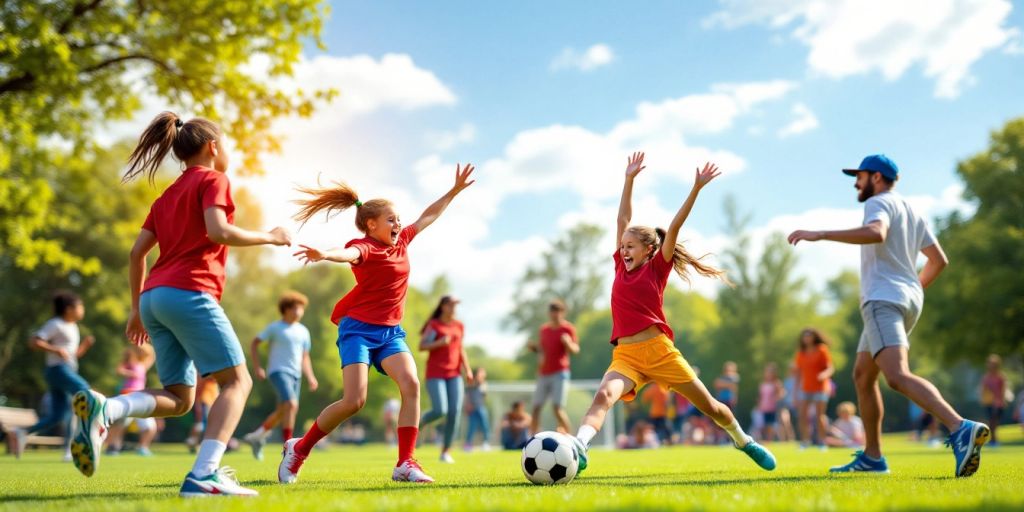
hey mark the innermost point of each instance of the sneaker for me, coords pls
(257, 442)
(92, 430)
(447, 458)
(291, 463)
(862, 464)
(966, 443)
(410, 471)
(581, 454)
(759, 454)
(144, 452)
(112, 451)
(485, 447)
(20, 442)
(192, 442)
(221, 482)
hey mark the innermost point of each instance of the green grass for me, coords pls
(699, 478)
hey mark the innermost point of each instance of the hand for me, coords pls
(704, 176)
(532, 347)
(443, 341)
(469, 379)
(89, 340)
(462, 180)
(63, 353)
(810, 236)
(313, 384)
(309, 255)
(281, 236)
(635, 164)
(261, 374)
(135, 332)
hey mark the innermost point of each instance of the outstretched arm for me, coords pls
(220, 231)
(634, 164)
(871, 233)
(701, 178)
(338, 255)
(435, 210)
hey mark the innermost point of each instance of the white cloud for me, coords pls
(443, 141)
(847, 37)
(596, 56)
(803, 121)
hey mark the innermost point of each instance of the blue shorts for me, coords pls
(360, 342)
(286, 386)
(188, 327)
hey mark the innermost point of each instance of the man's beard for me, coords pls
(866, 192)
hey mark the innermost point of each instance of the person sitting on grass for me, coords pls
(515, 427)
(847, 431)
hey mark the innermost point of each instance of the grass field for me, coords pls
(697, 478)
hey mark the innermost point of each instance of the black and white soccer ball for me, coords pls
(550, 458)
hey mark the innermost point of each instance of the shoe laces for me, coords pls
(227, 473)
(412, 464)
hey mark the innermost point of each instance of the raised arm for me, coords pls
(220, 231)
(871, 233)
(144, 243)
(937, 261)
(701, 178)
(437, 208)
(634, 164)
(309, 255)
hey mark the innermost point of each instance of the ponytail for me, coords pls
(682, 260)
(336, 200)
(166, 132)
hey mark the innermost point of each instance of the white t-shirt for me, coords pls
(288, 342)
(64, 335)
(888, 270)
(852, 428)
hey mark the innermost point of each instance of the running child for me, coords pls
(368, 317)
(177, 307)
(287, 362)
(644, 351)
(446, 365)
(769, 393)
(136, 362)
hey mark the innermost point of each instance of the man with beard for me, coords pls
(892, 294)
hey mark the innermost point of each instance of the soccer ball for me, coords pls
(550, 458)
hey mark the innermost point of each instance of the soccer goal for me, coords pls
(502, 394)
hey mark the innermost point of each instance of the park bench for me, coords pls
(12, 418)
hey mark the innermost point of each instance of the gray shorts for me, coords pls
(886, 324)
(552, 388)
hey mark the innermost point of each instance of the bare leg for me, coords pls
(804, 421)
(821, 410)
(613, 386)
(401, 368)
(535, 420)
(354, 377)
(893, 363)
(701, 398)
(226, 410)
(288, 411)
(869, 400)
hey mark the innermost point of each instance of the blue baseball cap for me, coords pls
(876, 163)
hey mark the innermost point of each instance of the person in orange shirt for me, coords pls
(657, 397)
(813, 364)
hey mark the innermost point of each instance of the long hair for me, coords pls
(682, 260)
(165, 133)
(819, 338)
(437, 312)
(335, 200)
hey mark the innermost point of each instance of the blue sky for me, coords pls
(509, 87)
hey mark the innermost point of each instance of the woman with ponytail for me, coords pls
(368, 317)
(644, 351)
(176, 307)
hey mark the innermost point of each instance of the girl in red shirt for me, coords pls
(446, 364)
(644, 351)
(368, 317)
(176, 307)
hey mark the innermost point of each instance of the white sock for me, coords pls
(208, 460)
(736, 433)
(261, 432)
(135, 405)
(585, 434)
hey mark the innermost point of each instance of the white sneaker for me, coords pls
(92, 430)
(447, 458)
(291, 463)
(410, 471)
(67, 455)
(257, 442)
(221, 482)
(20, 441)
(486, 447)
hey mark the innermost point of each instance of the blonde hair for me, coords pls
(848, 407)
(682, 260)
(337, 199)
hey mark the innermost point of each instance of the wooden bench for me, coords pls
(12, 418)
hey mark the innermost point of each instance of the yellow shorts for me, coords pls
(655, 360)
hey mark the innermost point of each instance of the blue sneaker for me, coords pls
(758, 454)
(862, 464)
(966, 443)
(581, 454)
(221, 482)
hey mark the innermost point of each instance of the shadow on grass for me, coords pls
(601, 481)
(35, 498)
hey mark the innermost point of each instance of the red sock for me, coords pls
(286, 433)
(309, 440)
(406, 442)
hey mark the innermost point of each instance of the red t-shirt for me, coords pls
(637, 297)
(810, 363)
(555, 358)
(445, 362)
(382, 279)
(188, 259)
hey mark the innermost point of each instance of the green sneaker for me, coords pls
(581, 454)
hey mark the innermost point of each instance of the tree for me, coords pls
(976, 307)
(68, 67)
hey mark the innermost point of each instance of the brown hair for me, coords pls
(290, 300)
(681, 258)
(164, 133)
(337, 199)
(819, 338)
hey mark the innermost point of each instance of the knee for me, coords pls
(290, 405)
(182, 406)
(604, 398)
(863, 379)
(356, 400)
(409, 385)
(898, 380)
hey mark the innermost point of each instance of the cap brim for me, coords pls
(851, 172)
